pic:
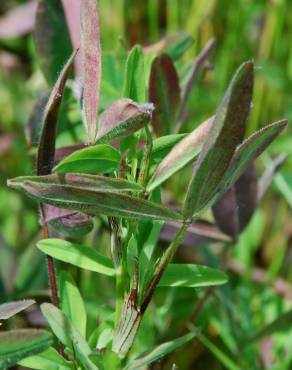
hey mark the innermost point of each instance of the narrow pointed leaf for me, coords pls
(77, 255)
(192, 276)
(91, 65)
(10, 309)
(72, 303)
(52, 38)
(164, 93)
(94, 159)
(67, 334)
(98, 202)
(181, 154)
(123, 118)
(226, 133)
(18, 344)
(46, 147)
(78, 181)
(134, 85)
(159, 352)
(245, 155)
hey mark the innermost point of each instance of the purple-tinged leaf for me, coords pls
(91, 65)
(68, 223)
(223, 138)
(46, 147)
(52, 38)
(19, 20)
(235, 208)
(81, 181)
(181, 154)
(245, 155)
(164, 93)
(123, 118)
(93, 195)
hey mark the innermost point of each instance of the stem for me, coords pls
(163, 263)
(145, 163)
(51, 272)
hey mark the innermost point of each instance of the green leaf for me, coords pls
(91, 65)
(134, 85)
(10, 309)
(181, 154)
(72, 303)
(47, 360)
(159, 352)
(164, 92)
(77, 255)
(94, 201)
(52, 38)
(223, 138)
(67, 334)
(95, 159)
(162, 146)
(46, 147)
(122, 118)
(18, 344)
(193, 276)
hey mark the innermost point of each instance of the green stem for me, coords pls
(163, 263)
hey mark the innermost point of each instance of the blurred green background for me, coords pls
(243, 29)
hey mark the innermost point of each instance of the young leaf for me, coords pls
(67, 334)
(50, 359)
(92, 200)
(161, 147)
(123, 118)
(95, 159)
(46, 147)
(18, 344)
(10, 309)
(226, 133)
(159, 352)
(52, 38)
(91, 65)
(164, 92)
(192, 276)
(77, 255)
(181, 154)
(72, 303)
(134, 85)
(235, 208)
